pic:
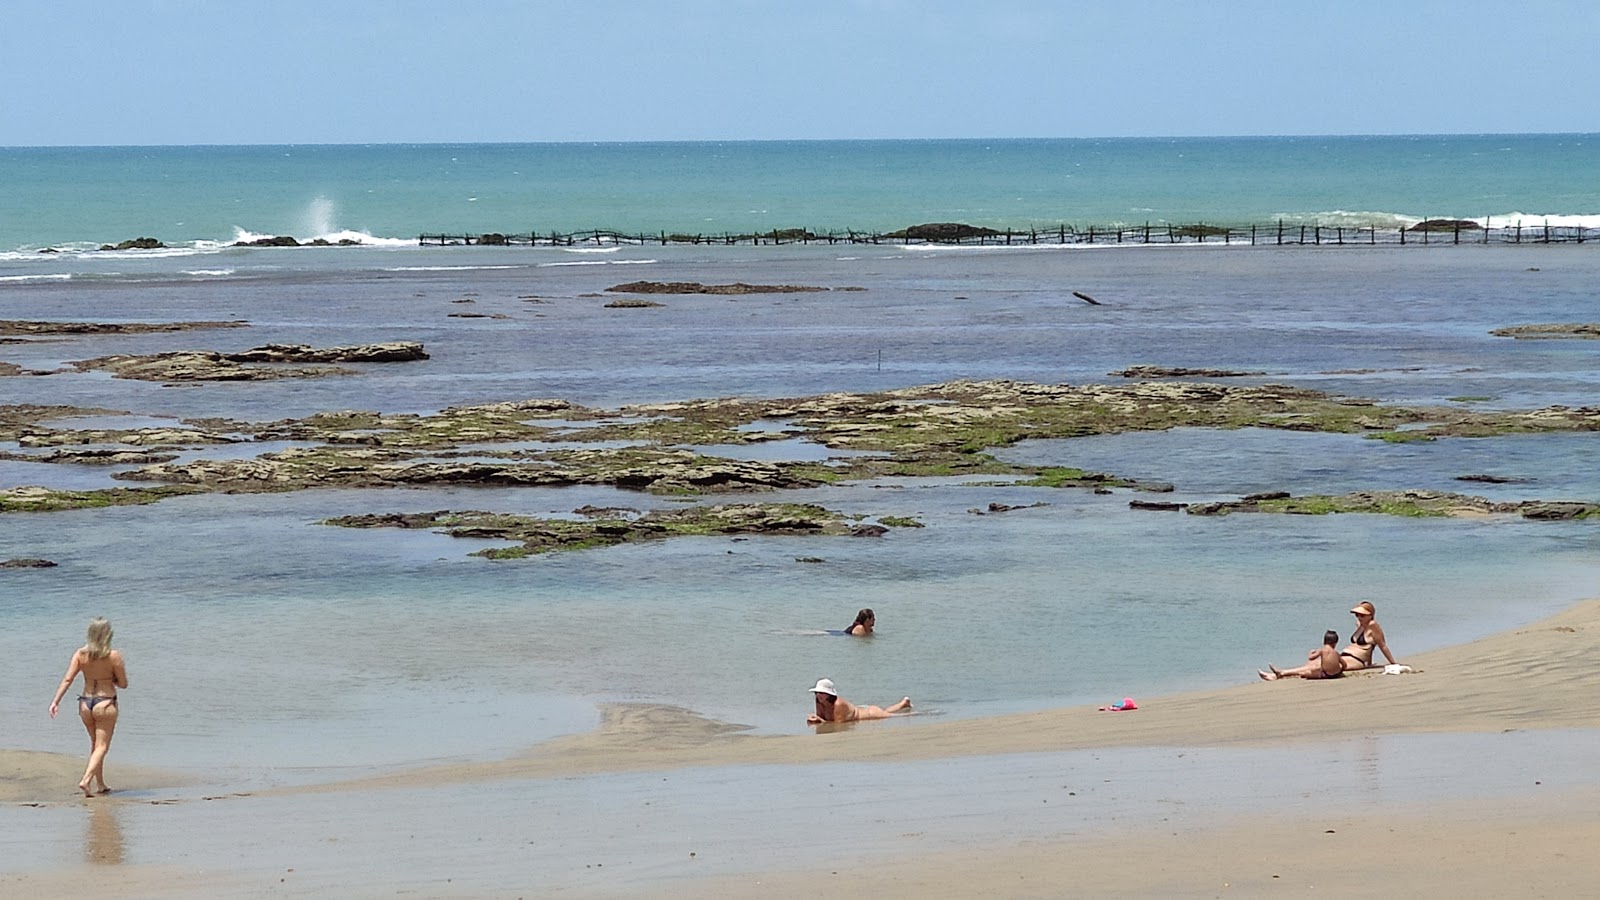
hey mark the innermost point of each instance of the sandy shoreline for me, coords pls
(1532, 677)
(1488, 838)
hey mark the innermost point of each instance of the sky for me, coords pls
(150, 72)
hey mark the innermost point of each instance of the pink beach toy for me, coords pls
(1123, 705)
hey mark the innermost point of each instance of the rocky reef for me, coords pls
(600, 528)
(1590, 330)
(947, 429)
(138, 243)
(37, 328)
(264, 363)
(942, 232)
(1411, 503)
(695, 287)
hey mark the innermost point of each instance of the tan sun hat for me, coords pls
(1364, 608)
(825, 686)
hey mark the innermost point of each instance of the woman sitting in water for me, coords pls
(103, 672)
(862, 626)
(1358, 655)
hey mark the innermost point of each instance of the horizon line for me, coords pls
(857, 140)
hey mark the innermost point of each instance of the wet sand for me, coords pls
(1473, 773)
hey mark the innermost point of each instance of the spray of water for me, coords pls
(318, 221)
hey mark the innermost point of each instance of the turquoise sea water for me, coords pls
(71, 197)
(336, 636)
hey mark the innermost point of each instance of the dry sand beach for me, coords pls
(1471, 777)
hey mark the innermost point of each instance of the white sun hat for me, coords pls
(825, 686)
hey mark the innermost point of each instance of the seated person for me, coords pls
(1323, 662)
(833, 708)
(1368, 634)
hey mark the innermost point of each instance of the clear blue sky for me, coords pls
(357, 71)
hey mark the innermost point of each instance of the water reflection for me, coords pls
(102, 844)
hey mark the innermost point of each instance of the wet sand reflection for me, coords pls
(102, 845)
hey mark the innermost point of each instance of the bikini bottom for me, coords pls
(92, 702)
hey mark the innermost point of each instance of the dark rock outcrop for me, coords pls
(1180, 372)
(389, 351)
(943, 232)
(282, 240)
(695, 287)
(138, 243)
(1446, 225)
(30, 327)
(25, 563)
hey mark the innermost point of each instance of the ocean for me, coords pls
(265, 648)
(201, 198)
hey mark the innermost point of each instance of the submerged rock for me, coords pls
(695, 287)
(1180, 372)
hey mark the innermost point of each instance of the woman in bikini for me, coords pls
(1368, 634)
(103, 673)
(1358, 655)
(833, 708)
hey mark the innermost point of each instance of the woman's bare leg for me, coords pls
(878, 712)
(101, 723)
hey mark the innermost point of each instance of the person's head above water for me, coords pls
(1331, 638)
(866, 618)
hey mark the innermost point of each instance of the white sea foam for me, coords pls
(1531, 220)
(1334, 218)
(591, 249)
(598, 262)
(50, 277)
(209, 272)
(448, 268)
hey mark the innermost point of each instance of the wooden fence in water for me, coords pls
(1279, 233)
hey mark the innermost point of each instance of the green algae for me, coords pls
(47, 500)
(537, 535)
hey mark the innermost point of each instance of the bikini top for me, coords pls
(1359, 638)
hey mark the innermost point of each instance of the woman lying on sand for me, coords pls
(833, 708)
(1358, 655)
(103, 672)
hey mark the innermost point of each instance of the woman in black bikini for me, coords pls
(103, 672)
(1368, 634)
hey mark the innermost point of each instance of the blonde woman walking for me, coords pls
(103, 673)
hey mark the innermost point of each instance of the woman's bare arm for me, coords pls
(73, 668)
(1383, 645)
